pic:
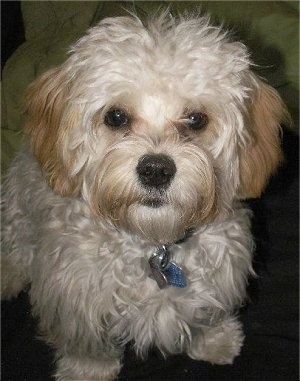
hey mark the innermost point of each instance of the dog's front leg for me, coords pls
(75, 368)
(74, 309)
(219, 344)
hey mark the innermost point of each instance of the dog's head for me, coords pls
(159, 128)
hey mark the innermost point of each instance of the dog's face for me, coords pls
(158, 129)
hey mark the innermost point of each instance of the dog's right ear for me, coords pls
(261, 157)
(49, 120)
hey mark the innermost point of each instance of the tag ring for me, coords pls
(160, 259)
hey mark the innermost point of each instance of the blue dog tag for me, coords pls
(175, 275)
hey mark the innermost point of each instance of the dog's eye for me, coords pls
(197, 121)
(116, 118)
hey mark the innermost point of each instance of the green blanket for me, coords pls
(270, 29)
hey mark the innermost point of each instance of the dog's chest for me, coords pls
(122, 274)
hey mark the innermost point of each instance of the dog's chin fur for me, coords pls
(158, 225)
(81, 218)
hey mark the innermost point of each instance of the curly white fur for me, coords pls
(78, 223)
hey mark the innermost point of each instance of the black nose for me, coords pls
(156, 170)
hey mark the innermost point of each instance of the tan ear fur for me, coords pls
(260, 159)
(45, 105)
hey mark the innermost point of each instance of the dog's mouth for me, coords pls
(153, 199)
(153, 202)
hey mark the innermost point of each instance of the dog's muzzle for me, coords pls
(156, 171)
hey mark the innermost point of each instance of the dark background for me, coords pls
(270, 319)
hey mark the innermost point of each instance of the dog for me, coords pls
(124, 209)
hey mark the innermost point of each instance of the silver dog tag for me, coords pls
(158, 262)
(159, 277)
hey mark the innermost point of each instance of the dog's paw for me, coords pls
(218, 345)
(71, 368)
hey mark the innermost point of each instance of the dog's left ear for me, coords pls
(49, 120)
(259, 159)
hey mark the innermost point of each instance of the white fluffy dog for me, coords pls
(123, 210)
